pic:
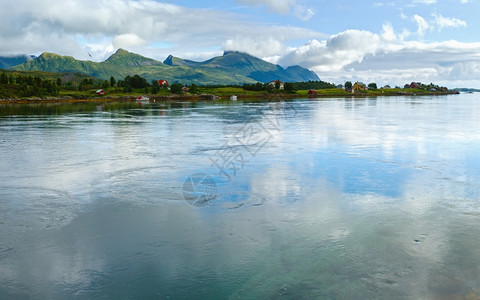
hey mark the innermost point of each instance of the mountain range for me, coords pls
(230, 68)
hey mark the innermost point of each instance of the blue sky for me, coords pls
(388, 42)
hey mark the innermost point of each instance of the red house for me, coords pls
(312, 92)
(100, 92)
(163, 83)
(415, 85)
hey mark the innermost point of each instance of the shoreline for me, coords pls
(211, 97)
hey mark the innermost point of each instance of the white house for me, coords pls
(275, 82)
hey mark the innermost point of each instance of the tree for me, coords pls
(176, 88)
(50, 87)
(269, 87)
(277, 84)
(59, 81)
(138, 82)
(87, 81)
(372, 86)
(135, 82)
(193, 89)
(127, 88)
(348, 85)
(155, 87)
(3, 78)
(112, 81)
(38, 81)
(289, 87)
(29, 80)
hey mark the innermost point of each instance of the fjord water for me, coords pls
(371, 198)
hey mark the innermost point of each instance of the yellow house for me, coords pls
(359, 86)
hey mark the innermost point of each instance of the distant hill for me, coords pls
(230, 68)
(466, 90)
(175, 61)
(238, 63)
(65, 77)
(7, 62)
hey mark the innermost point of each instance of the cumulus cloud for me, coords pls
(336, 52)
(268, 42)
(388, 33)
(258, 46)
(128, 40)
(148, 27)
(448, 63)
(387, 58)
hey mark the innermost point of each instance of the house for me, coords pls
(312, 92)
(278, 83)
(100, 92)
(360, 86)
(185, 89)
(415, 85)
(162, 83)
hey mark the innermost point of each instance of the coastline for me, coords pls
(213, 97)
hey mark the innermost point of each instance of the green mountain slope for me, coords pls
(238, 63)
(11, 61)
(230, 68)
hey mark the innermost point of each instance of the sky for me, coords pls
(386, 42)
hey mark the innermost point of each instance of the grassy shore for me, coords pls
(206, 93)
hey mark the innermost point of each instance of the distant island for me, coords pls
(466, 90)
(126, 75)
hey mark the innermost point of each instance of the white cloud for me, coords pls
(336, 52)
(387, 58)
(128, 40)
(438, 23)
(422, 25)
(77, 27)
(258, 46)
(388, 33)
(442, 22)
(278, 6)
(303, 13)
(283, 7)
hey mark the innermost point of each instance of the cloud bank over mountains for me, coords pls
(388, 58)
(156, 29)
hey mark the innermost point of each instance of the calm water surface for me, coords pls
(375, 198)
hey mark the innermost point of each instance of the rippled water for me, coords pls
(314, 199)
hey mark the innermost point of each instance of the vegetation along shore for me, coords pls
(36, 86)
